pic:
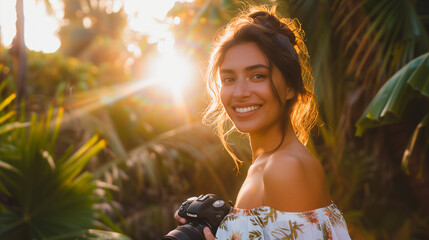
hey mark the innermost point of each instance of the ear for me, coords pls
(290, 93)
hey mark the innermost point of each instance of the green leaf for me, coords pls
(11, 126)
(391, 100)
(8, 100)
(75, 164)
(106, 220)
(9, 167)
(4, 83)
(71, 161)
(7, 116)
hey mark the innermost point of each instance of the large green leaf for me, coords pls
(388, 105)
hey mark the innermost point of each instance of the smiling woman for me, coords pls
(244, 71)
(258, 82)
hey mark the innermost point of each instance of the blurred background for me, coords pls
(101, 104)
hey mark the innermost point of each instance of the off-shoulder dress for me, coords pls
(266, 223)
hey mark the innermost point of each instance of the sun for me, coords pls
(172, 71)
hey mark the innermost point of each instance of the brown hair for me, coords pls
(282, 41)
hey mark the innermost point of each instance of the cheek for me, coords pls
(267, 92)
(225, 98)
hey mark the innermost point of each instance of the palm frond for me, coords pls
(391, 100)
(44, 197)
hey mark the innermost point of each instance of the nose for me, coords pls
(242, 88)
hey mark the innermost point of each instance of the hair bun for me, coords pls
(272, 22)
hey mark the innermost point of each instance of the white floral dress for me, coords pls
(265, 223)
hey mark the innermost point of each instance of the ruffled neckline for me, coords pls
(236, 210)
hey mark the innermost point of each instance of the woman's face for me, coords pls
(246, 92)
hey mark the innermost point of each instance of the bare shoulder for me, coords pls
(294, 181)
(285, 168)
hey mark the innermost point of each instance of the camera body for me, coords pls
(207, 209)
(200, 212)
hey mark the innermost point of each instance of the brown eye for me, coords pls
(227, 80)
(258, 76)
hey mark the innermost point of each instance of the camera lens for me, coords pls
(191, 231)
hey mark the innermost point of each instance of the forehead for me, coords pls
(243, 55)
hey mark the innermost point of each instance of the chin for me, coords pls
(244, 129)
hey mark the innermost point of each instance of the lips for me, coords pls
(247, 109)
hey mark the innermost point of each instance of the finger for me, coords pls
(178, 218)
(208, 234)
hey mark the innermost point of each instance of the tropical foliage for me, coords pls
(388, 106)
(356, 47)
(43, 194)
(64, 75)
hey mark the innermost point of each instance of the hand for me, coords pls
(178, 218)
(208, 234)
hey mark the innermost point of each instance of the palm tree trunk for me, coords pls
(20, 57)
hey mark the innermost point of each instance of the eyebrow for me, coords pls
(247, 69)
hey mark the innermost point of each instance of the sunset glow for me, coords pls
(144, 16)
(39, 28)
(169, 70)
(172, 71)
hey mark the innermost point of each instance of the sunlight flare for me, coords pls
(40, 29)
(144, 16)
(92, 100)
(172, 72)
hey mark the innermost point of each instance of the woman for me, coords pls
(259, 78)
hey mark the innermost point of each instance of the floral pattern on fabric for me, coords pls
(265, 223)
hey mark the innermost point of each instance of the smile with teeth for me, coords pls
(247, 109)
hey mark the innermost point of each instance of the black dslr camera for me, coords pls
(200, 212)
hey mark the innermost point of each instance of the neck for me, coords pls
(270, 140)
